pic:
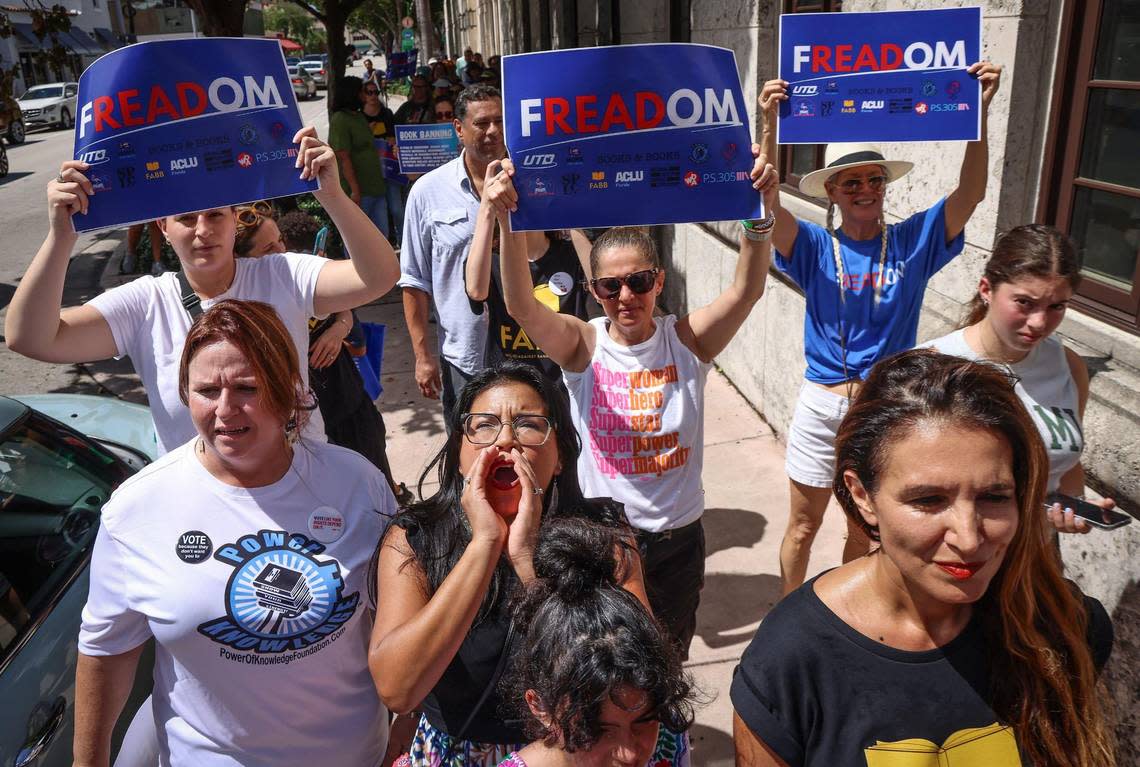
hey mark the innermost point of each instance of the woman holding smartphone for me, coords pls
(1021, 299)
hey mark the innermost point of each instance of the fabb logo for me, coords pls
(805, 90)
(94, 156)
(539, 161)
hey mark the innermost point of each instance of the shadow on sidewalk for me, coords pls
(730, 528)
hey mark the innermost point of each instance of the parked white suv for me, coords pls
(50, 104)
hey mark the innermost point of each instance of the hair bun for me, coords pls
(576, 557)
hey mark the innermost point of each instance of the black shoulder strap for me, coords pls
(190, 301)
(503, 657)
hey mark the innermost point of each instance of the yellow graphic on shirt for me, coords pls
(546, 297)
(992, 746)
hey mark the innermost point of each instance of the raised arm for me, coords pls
(972, 178)
(477, 274)
(706, 331)
(372, 268)
(563, 337)
(773, 92)
(36, 325)
(582, 247)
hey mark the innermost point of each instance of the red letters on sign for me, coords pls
(582, 106)
(616, 114)
(128, 107)
(104, 106)
(184, 90)
(556, 111)
(159, 105)
(890, 57)
(643, 99)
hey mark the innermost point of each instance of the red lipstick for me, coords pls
(961, 571)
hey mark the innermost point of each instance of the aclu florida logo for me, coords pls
(280, 596)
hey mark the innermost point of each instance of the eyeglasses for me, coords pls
(608, 288)
(853, 185)
(445, 115)
(484, 428)
(251, 215)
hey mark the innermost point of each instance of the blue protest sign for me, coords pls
(624, 135)
(883, 76)
(182, 125)
(425, 147)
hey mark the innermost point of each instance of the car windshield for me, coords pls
(291, 70)
(43, 92)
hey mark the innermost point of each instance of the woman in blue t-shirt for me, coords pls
(864, 281)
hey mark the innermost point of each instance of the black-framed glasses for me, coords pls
(607, 288)
(853, 185)
(484, 428)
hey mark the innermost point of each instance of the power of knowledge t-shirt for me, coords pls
(916, 250)
(150, 325)
(821, 694)
(640, 411)
(258, 603)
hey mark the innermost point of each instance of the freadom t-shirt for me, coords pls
(916, 250)
(258, 602)
(150, 325)
(557, 278)
(820, 694)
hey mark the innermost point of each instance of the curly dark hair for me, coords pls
(587, 639)
(471, 94)
(439, 522)
(299, 231)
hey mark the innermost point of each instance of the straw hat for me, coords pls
(839, 157)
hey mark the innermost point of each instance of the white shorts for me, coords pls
(810, 456)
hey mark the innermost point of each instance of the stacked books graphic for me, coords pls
(282, 590)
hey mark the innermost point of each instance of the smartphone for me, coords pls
(1109, 519)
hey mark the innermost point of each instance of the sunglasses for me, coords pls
(445, 115)
(251, 215)
(609, 288)
(853, 185)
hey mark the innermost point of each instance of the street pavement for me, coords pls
(746, 493)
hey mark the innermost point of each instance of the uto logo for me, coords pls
(245, 160)
(94, 156)
(544, 160)
(280, 596)
(805, 90)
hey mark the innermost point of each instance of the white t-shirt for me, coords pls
(258, 602)
(641, 413)
(150, 325)
(1047, 389)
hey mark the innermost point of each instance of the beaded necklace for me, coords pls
(839, 278)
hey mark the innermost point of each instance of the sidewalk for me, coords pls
(746, 501)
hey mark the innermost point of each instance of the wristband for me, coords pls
(758, 231)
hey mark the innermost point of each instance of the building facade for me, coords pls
(1064, 131)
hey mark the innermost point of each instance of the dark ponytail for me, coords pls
(588, 639)
(1032, 250)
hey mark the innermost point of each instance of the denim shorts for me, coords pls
(810, 455)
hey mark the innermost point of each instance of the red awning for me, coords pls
(289, 45)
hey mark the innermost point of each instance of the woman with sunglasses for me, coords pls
(148, 319)
(636, 385)
(863, 281)
(351, 138)
(450, 566)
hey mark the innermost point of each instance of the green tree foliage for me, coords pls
(296, 24)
